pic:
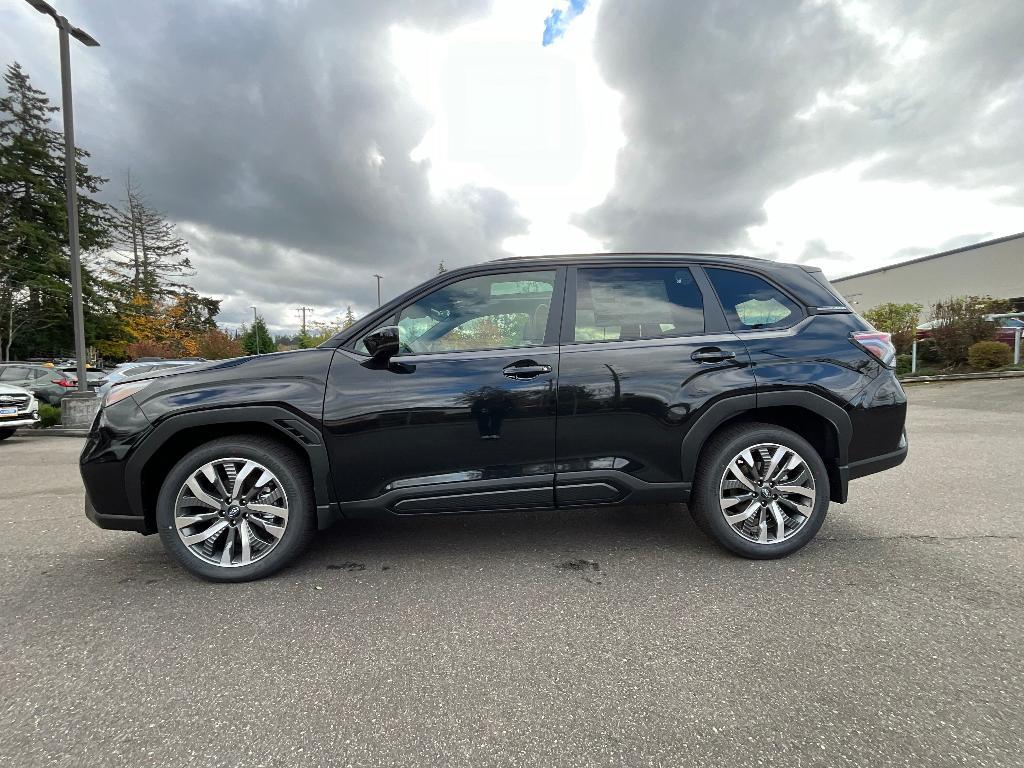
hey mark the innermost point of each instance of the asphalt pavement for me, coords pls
(582, 638)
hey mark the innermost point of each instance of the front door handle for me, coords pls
(712, 355)
(524, 369)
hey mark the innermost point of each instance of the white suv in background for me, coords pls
(18, 408)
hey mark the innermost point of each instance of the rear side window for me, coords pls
(625, 303)
(751, 303)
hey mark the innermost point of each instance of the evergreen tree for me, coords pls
(149, 259)
(350, 318)
(257, 339)
(35, 275)
(441, 268)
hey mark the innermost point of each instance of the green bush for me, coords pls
(49, 415)
(903, 363)
(986, 355)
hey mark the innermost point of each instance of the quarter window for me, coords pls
(487, 312)
(625, 303)
(751, 303)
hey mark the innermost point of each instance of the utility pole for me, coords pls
(255, 329)
(71, 178)
(303, 311)
(378, 288)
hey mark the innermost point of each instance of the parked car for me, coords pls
(18, 408)
(126, 370)
(47, 383)
(93, 376)
(743, 387)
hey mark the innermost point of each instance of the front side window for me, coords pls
(751, 303)
(487, 312)
(626, 303)
(14, 373)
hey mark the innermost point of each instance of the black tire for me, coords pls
(7, 432)
(714, 460)
(293, 474)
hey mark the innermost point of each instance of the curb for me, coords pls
(962, 377)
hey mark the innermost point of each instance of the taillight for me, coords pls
(876, 343)
(65, 382)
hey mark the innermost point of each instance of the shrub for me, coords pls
(49, 415)
(961, 323)
(928, 352)
(903, 363)
(899, 320)
(986, 355)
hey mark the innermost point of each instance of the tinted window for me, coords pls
(487, 312)
(623, 303)
(750, 302)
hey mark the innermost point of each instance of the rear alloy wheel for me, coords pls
(236, 509)
(767, 493)
(761, 491)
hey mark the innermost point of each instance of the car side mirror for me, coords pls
(382, 343)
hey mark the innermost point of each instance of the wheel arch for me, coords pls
(821, 422)
(175, 436)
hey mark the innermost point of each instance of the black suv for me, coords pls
(743, 387)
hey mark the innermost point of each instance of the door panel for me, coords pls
(627, 405)
(428, 427)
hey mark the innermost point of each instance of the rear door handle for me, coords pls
(525, 369)
(712, 355)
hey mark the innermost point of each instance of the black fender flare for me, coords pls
(292, 427)
(723, 410)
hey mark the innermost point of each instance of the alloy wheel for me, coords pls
(767, 493)
(231, 512)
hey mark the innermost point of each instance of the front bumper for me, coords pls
(115, 522)
(19, 420)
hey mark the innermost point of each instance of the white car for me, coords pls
(18, 408)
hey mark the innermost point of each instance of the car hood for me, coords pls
(10, 389)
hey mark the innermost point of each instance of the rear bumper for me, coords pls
(115, 522)
(880, 463)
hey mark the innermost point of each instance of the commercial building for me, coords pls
(993, 268)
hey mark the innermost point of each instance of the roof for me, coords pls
(640, 256)
(984, 244)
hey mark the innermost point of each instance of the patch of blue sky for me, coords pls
(559, 19)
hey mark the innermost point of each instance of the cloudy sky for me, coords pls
(304, 145)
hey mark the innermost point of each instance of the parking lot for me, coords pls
(603, 637)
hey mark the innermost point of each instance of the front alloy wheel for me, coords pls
(766, 493)
(237, 508)
(231, 512)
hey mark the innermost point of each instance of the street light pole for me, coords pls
(255, 330)
(378, 288)
(71, 179)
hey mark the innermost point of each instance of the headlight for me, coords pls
(119, 392)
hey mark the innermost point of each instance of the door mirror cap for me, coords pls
(382, 343)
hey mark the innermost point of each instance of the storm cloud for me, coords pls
(725, 103)
(278, 135)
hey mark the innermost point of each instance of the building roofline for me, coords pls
(961, 249)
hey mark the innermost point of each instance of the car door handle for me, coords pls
(712, 355)
(524, 369)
